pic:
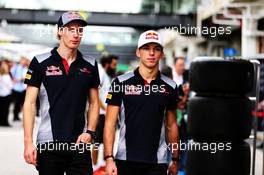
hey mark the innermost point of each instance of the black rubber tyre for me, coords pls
(235, 161)
(219, 118)
(220, 76)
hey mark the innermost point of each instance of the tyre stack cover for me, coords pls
(220, 113)
(231, 162)
(219, 118)
(219, 76)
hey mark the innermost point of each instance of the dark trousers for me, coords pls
(64, 161)
(4, 110)
(138, 168)
(18, 98)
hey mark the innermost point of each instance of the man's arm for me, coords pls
(92, 116)
(173, 138)
(109, 128)
(29, 111)
(172, 130)
(112, 112)
(93, 111)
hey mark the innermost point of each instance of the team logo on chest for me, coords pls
(133, 90)
(85, 70)
(53, 71)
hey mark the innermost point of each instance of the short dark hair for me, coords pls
(178, 58)
(167, 71)
(113, 57)
(105, 60)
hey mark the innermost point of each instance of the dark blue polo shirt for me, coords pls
(63, 94)
(142, 115)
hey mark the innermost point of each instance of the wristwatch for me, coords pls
(109, 156)
(92, 133)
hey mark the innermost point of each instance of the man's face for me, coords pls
(150, 54)
(111, 70)
(71, 34)
(180, 66)
(113, 64)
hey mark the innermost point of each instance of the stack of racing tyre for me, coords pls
(219, 116)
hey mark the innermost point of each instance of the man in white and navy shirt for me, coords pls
(146, 101)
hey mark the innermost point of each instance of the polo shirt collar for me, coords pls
(57, 56)
(137, 74)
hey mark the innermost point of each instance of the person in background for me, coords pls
(105, 82)
(111, 71)
(182, 104)
(178, 73)
(180, 76)
(18, 72)
(6, 86)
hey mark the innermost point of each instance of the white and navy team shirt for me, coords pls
(142, 115)
(63, 94)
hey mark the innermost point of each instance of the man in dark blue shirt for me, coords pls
(146, 101)
(64, 79)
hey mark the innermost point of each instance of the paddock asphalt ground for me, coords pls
(11, 152)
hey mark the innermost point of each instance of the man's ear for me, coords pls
(60, 32)
(137, 53)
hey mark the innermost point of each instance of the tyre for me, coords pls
(219, 118)
(220, 76)
(224, 162)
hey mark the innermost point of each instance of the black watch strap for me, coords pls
(109, 156)
(92, 133)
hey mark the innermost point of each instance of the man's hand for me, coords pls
(84, 138)
(29, 111)
(30, 154)
(110, 167)
(173, 168)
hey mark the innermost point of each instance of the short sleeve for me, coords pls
(114, 96)
(33, 75)
(95, 82)
(174, 99)
(101, 74)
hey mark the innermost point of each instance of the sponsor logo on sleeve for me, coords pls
(109, 96)
(28, 76)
